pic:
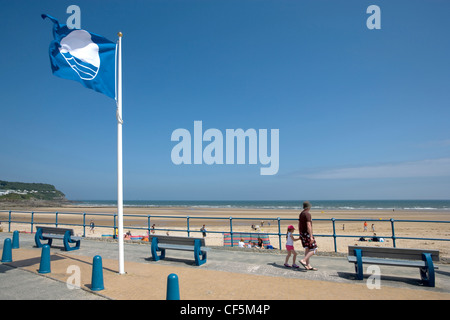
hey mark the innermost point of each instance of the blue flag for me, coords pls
(84, 57)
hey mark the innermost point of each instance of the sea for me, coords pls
(432, 205)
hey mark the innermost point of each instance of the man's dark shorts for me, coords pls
(306, 241)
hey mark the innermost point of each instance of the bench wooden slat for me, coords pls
(180, 247)
(177, 240)
(60, 237)
(55, 230)
(390, 262)
(53, 236)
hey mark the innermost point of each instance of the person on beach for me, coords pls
(306, 235)
(260, 243)
(92, 226)
(375, 238)
(365, 225)
(290, 248)
(203, 230)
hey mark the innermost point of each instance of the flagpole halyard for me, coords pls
(119, 156)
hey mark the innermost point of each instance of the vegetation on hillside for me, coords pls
(18, 191)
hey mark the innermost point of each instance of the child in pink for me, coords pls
(290, 247)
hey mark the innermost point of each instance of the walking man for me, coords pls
(306, 235)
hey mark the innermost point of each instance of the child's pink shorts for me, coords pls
(289, 248)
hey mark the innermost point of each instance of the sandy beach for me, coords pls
(217, 221)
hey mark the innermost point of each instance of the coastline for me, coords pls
(278, 204)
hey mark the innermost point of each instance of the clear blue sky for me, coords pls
(362, 114)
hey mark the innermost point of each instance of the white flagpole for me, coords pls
(119, 155)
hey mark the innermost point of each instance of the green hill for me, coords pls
(19, 191)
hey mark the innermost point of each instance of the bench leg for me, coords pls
(427, 273)
(197, 252)
(359, 265)
(155, 250)
(38, 237)
(67, 240)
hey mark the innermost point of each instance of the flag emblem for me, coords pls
(81, 54)
(84, 57)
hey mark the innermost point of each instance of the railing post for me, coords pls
(279, 232)
(187, 222)
(9, 221)
(84, 224)
(115, 227)
(32, 220)
(56, 219)
(148, 225)
(393, 231)
(231, 230)
(334, 234)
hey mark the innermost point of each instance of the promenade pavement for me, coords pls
(228, 274)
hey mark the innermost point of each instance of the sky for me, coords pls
(361, 113)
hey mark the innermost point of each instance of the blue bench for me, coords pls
(416, 258)
(161, 243)
(50, 233)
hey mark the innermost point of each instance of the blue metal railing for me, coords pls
(188, 230)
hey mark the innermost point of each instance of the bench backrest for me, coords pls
(54, 230)
(393, 253)
(177, 240)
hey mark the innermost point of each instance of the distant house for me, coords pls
(3, 192)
